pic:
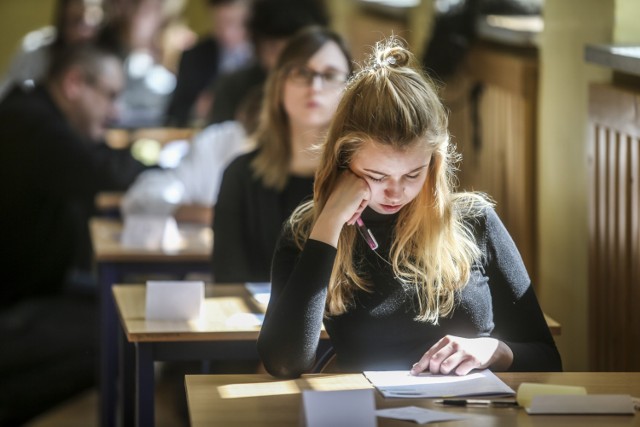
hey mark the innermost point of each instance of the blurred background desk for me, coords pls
(261, 400)
(227, 329)
(114, 263)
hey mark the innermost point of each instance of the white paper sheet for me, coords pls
(425, 385)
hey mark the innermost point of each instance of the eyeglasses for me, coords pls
(304, 76)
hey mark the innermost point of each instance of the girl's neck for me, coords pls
(304, 160)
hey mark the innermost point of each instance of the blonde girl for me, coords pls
(404, 272)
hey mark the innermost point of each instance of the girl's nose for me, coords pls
(393, 191)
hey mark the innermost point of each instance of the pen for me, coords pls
(477, 402)
(366, 234)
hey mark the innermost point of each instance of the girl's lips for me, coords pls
(391, 208)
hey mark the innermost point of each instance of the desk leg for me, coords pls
(107, 276)
(145, 385)
(127, 380)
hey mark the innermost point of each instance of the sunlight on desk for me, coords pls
(276, 388)
(235, 391)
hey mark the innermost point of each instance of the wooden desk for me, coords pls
(114, 262)
(554, 326)
(260, 400)
(123, 138)
(108, 203)
(221, 333)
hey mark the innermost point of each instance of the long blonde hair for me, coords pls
(393, 102)
(271, 164)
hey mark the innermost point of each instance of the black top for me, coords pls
(50, 176)
(197, 70)
(379, 331)
(248, 219)
(233, 90)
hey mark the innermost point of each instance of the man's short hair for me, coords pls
(87, 56)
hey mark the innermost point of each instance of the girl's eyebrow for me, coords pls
(384, 174)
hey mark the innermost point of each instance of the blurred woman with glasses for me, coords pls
(260, 189)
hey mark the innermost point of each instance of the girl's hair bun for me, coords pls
(390, 54)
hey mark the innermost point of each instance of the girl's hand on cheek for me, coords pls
(345, 204)
(349, 198)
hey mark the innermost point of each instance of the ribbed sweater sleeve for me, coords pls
(519, 321)
(291, 330)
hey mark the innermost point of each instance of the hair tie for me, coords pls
(385, 62)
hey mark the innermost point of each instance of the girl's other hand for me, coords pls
(459, 356)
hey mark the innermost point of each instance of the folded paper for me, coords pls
(353, 408)
(174, 300)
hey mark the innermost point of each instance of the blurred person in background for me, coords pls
(54, 164)
(270, 28)
(226, 48)
(135, 29)
(75, 21)
(260, 189)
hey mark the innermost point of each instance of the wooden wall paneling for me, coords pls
(614, 210)
(503, 164)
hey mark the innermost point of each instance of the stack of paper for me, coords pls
(426, 385)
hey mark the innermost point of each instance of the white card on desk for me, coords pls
(353, 408)
(150, 232)
(174, 300)
(581, 404)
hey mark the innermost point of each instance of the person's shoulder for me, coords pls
(247, 73)
(242, 164)
(38, 39)
(207, 48)
(229, 129)
(32, 104)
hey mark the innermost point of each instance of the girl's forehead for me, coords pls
(373, 154)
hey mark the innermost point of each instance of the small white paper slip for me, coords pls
(150, 232)
(174, 300)
(353, 408)
(590, 404)
(419, 415)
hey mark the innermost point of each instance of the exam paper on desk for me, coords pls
(426, 385)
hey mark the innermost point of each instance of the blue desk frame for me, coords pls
(110, 273)
(137, 361)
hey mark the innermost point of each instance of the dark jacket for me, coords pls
(50, 176)
(247, 221)
(197, 70)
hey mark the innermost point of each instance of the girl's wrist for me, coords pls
(326, 231)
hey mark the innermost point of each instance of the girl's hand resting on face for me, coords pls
(459, 356)
(344, 206)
